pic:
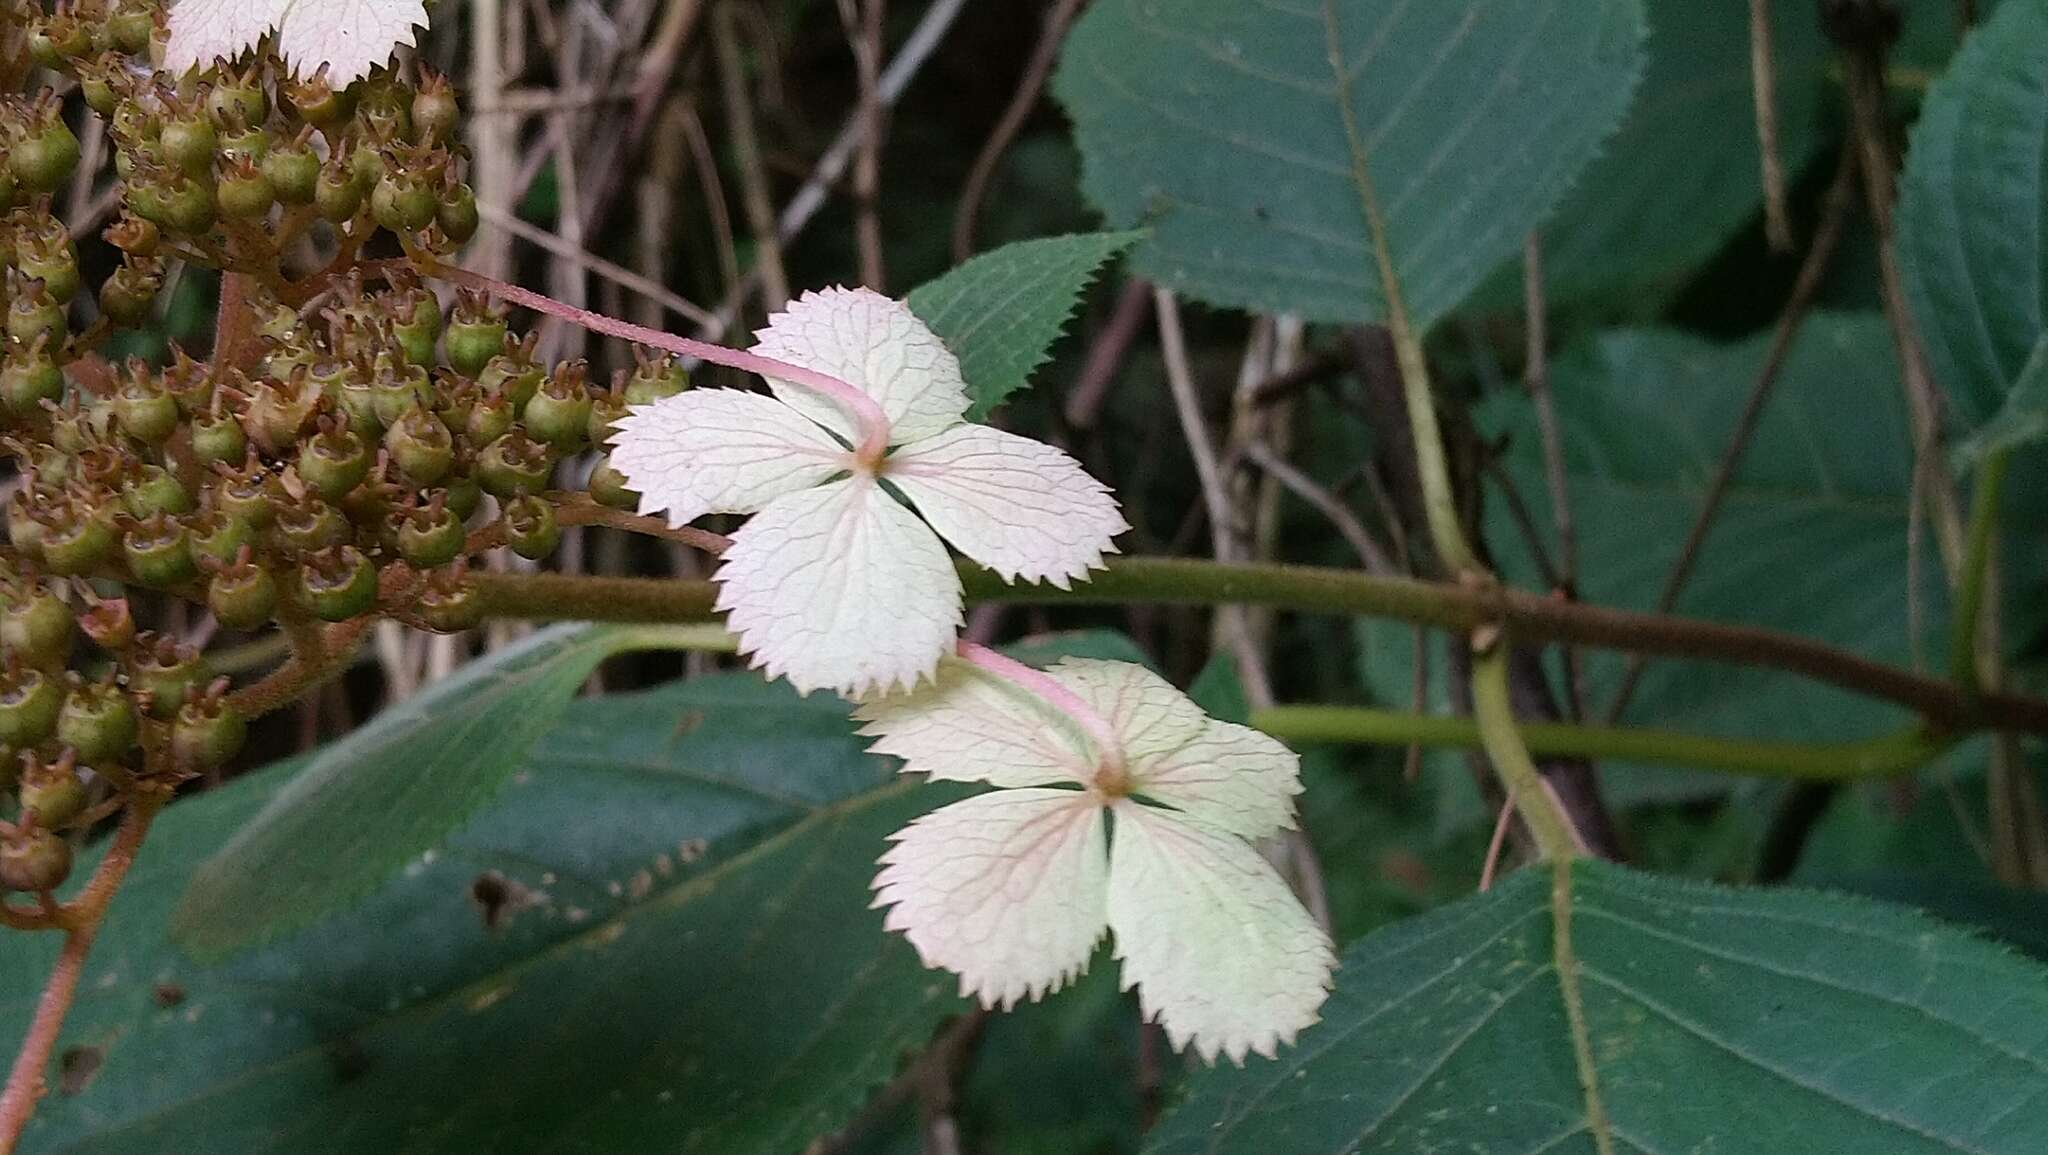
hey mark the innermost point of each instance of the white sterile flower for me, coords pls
(1013, 888)
(349, 36)
(835, 583)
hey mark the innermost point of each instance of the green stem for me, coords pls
(1502, 739)
(1449, 606)
(1835, 761)
(1977, 575)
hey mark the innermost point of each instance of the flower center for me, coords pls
(1111, 779)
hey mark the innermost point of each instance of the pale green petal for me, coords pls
(840, 588)
(1221, 952)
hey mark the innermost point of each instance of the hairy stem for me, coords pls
(1874, 758)
(1108, 748)
(1501, 737)
(81, 919)
(1310, 589)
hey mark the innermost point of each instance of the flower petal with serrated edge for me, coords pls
(1228, 776)
(840, 588)
(877, 345)
(720, 451)
(967, 725)
(349, 36)
(1020, 507)
(1004, 889)
(204, 29)
(1220, 951)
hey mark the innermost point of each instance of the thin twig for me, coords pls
(1022, 101)
(1536, 371)
(1826, 238)
(746, 148)
(1370, 553)
(1106, 354)
(583, 258)
(1763, 70)
(863, 22)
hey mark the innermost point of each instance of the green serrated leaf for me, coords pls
(374, 801)
(1220, 124)
(1001, 311)
(1681, 177)
(657, 937)
(1823, 497)
(1741, 1022)
(1973, 218)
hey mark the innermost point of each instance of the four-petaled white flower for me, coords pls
(834, 583)
(350, 37)
(1013, 888)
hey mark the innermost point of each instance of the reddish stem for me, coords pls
(1109, 748)
(866, 412)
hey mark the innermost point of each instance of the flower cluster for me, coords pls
(1120, 805)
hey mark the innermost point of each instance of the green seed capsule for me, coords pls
(145, 412)
(338, 584)
(207, 734)
(30, 701)
(164, 674)
(34, 863)
(159, 553)
(311, 526)
(559, 414)
(531, 528)
(449, 603)
(431, 537)
(189, 143)
(152, 489)
(216, 538)
(242, 597)
(608, 487)
(334, 463)
(512, 465)
(80, 542)
(99, 722)
(218, 437)
(29, 377)
(38, 626)
(420, 448)
(43, 157)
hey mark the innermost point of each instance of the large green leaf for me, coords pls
(374, 801)
(1219, 123)
(1973, 221)
(676, 954)
(1737, 1022)
(1000, 312)
(1682, 176)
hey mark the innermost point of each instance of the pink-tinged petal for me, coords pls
(967, 725)
(204, 29)
(840, 588)
(720, 451)
(1004, 889)
(1020, 507)
(877, 345)
(1221, 952)
(1149, 715)
(351, 37)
